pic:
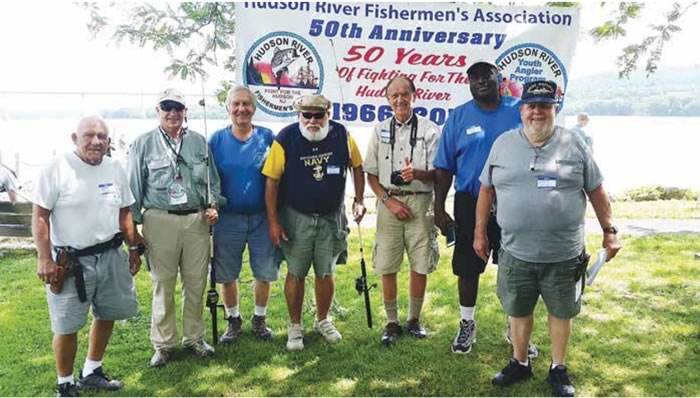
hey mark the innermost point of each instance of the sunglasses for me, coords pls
(311, 115)
(167, 106)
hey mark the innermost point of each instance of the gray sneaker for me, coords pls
(233, 330)
(260, 329)
(532, 351)
(201, 349)
(466, 337)
(99, 381)
(160, 358)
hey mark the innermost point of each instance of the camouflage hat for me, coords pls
(312, 102)
(170, 94)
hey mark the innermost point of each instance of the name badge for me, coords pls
(385, 136)
(333, 170)
(546, 182)
(109, 192)
(473, 130)
(177, 193)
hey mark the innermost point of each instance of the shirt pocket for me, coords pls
(570, 173)
(199, 169)
(159, 174)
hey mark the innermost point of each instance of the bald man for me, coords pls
(80, 219)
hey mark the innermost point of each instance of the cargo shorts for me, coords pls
(318, 239)
(520, 283)
(110, 291)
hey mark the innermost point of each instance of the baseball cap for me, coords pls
(540, 92)
(170, 94)
(482, 61)
(312, 102)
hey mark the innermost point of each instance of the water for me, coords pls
(631, 151)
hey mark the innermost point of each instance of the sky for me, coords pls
(52, 51)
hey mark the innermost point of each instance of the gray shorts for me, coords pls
(109, 287)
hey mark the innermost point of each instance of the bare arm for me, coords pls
(443, 181)
(483, 210)
(277, 234)
(133, 238)
(358, 208)
(603, 210)
(46, 267)
(395, 206)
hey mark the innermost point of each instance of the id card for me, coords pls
(546, 182)
(177, 193)
(333, 170)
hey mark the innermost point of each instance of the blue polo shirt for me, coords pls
(239, 164)
(467, 138)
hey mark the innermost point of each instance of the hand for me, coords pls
(408, 173)
(481, 246)
(611, 245)
(398, 209)
(358, 211)
(442, 219)
(212, 216)
(277, 234)
(134, 262)
(47, 270)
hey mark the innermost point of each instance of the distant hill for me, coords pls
(669, 92)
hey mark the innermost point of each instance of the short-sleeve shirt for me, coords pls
(541, 194)
(378, 161)
(84, 200)
(239, 164)
(467, 138)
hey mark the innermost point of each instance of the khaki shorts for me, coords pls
(418, 237)
(315, 239)
(520, 284)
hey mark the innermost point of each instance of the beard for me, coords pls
(311, 136)
(539, 135)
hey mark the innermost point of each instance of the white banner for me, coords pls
(349, 51)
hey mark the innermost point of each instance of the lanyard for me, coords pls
(392, 136)
(176, 153)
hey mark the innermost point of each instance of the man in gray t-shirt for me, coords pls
(541, 175)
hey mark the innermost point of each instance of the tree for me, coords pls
(196, 34)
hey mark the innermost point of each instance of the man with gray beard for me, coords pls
(541, 174)
(304, 195)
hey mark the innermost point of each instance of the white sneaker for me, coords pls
(295, 338)
(328, 330)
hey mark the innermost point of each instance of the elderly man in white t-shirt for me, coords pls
(80, 218)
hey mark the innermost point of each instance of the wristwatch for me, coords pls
(140, 247)
(385, 197)
(611, 230)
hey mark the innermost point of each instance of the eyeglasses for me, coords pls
(167, 106)
(311, 115)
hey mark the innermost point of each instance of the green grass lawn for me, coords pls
(638, 334)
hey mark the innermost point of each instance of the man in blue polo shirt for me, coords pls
(239, 152)
(466, 140)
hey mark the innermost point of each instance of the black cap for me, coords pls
(540, 92)
(470, 70)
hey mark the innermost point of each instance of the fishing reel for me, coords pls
(361, 285)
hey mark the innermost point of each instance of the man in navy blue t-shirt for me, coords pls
(239, 152)
(466, 140)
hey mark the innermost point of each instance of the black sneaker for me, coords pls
(99, 381)
(559, 380)
(415, 329)
(260, 329)
(67, 390)
(233, 330)
(466, 337)
(391, 333)
(513, 373)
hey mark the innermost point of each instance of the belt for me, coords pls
(77, 269)
(399, 192)
(183, 212)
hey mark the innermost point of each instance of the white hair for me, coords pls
(232, 92)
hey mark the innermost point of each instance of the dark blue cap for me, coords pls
(540, 92)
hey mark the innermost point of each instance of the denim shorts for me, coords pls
(520, 283)
(231, 235)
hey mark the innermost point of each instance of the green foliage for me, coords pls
(637, 335)
(657, 192)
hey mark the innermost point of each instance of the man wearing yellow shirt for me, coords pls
(304, 195)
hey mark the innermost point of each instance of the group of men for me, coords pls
(282, 197)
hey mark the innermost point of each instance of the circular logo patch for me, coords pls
(279, 68)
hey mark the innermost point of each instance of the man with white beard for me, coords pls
(304, 195)
(541, 174)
